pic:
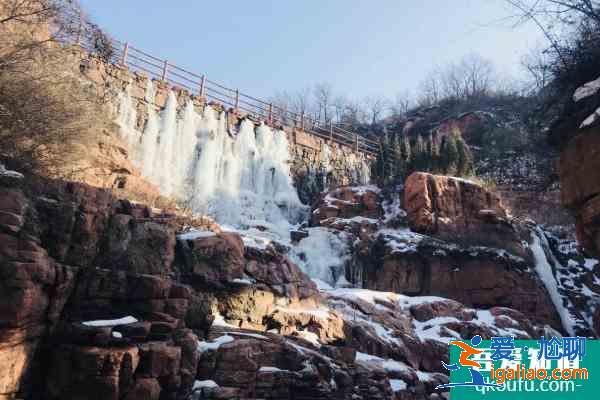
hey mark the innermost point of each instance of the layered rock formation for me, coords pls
(576, 135)
(455, 239)
(105, 299)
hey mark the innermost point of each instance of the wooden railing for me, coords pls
(126, 55)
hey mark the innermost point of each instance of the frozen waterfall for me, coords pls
(242, 180)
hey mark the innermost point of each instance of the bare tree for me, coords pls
(46, 112)
(537, 65)
(478, 74)
(431, 88)
(27, 11)
(546, 14)
(301, 101)
(339, 106)
(376, 106)
(401, 104)
(354, 114)
(473, 76)
(324, 101)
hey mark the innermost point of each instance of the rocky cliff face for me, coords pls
(317, 164)
(103, 298)
(579, 172)
(452, 238)
(577, 137)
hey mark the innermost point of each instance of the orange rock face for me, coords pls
(456, 209)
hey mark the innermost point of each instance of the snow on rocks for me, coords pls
(9, 175)
(214, 344)
(194, 234)
(593, 117)
(111, 322)
(401, 240)
(323, 254)
(392, 210)
(545, 272)
(347, 202)
(398, 385)
(587, 90)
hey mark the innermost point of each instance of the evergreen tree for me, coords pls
(449, 156)
(399, 160)
(465, 157)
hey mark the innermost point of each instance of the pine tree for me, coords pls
(465, 157)
(399, 160)
(406, 150)
(449, 156)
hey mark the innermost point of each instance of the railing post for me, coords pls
(331, 131)
(302, 121)
(356, 135)
(165, 71)
(270, 113)
(237, 99)
(125, 52)
(202, 84)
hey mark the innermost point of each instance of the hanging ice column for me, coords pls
(242, 180)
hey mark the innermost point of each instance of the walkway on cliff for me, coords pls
(124, 54)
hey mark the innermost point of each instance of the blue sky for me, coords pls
(362, 47)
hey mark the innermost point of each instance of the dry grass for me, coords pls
(48, 114)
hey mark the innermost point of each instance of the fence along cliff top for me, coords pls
(124, 54)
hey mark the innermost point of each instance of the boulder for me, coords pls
(212, 260)
(144, 388)
(140, 246)
(271, 268)
(347, 202)
(91, 372)
(417, 265)
(460, 211)
(158, 359)
(579, 172)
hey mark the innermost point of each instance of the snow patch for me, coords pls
(310, 337)
(220, 321)
(193, 235)
(587, 90)
(397, 385)
(590, 119)
(392, 210)
(272, 369)
(111, 322)
(204, 384)
(252, 335)
(204, 346)
(9, 173)
(401, 240)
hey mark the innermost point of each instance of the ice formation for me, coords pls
(323, 255)
(543, 267)
(242, 180)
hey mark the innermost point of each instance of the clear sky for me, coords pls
(361, 47)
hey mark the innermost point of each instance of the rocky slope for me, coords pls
(108, 299)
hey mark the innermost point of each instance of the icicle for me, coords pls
(243, 181)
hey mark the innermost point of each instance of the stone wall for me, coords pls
(317, 164)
